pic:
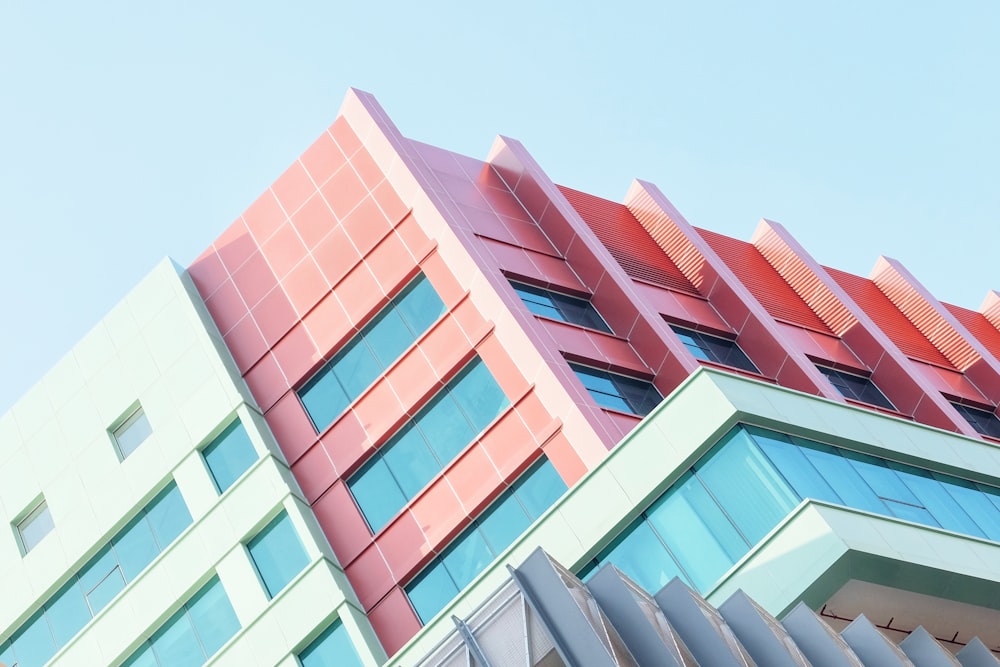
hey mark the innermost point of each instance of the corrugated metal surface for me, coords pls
(627, 241)
(978, 326)
(888, 318)
(770, 289)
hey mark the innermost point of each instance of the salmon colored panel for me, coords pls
(264, 216)
(565, 459)
(443, 280)
(344, 191)
(328, 324)
(403, 545)
(476, 481)
(531, 196)
(314, 220)
(559, 231)
(414, 238)
(254, 279)
(473, 324)
(275, 315)
(369, 576)
(291, 426)
(702, 312)
(391, 263)
(508, 445)
(503, 369)
(487, 224)
(898, 386)
(379, 410)
(266, 382)
(226, 306)
(864, 345)
(572, 340)
(369, 172)
(446, 346)
(617, 352)
(346, 443)
(513, 260)
(732, 308)
(359, 293)
(506, 204)
(323, 158)
(762, 348)
(390, 203)
(293, 188)
(305, 286)
(336, 255)
(413, 379)
(314, 472)
(366, 225)
(345, 136)
(535, 415)
(440, 517)
(952, 382)
(297, 355)
(620, 424)
(394, 621)
(235, 245)
(528, 235)
(208, 273)
(283, 250)
(342, 523)
(246, 344)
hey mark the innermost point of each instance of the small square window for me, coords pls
(856, 387)
(131, 432)
(34, 526)
(277, 553)
(229, 455)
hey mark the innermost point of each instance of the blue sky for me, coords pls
(130, 131)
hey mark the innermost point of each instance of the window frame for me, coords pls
(262, 535)
(697, 337)
(122, 425)
(37, 509)
(586, 305)
(217, 441)
(611, 377)
(832, 373)
(974, 411)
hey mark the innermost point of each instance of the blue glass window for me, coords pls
(856, 387)
(713, 348)
(353, 369)
(132, 432)
(422, 447)
(278, 554)
(333, 648)
(229, 455)
(984, 421)
(96, 583)
(192, 635)
(476, 547)
(560, 307)
(33, 527)
(618, 392)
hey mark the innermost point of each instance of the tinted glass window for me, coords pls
(277, 553)
(560, 307)
(229, 455)
(984, 422)
(856, 387)
(714, 348)
(333, 648)
(132, 432)
(618, 392)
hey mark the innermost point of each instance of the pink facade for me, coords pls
(365, 209)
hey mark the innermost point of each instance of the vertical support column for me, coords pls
(758, 333)
(892, 371)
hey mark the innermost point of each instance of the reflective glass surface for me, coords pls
(278, 554)
(560, 307)
(132, 433)
(35, 526)
(229, 455)
(333, 648)
(714, 348)
(618, 392)
(983, 421)
(856, 387)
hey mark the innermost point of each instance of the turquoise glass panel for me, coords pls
(377, 494)
(333, 648)
(388, 337)
(356, 367)
(794, 466)
(939, 503)
(479, 395)
(466, 557)
(213, 617)
(502, 523)
(33, 643)
(640, 554)
(976, 503)
(409, 459)
(67, 612)
(168, 516)
(841, 476)
(176, 644)
(278, 554)
(135, 547)
(229, 456)
(143, 658)
(445, 427)
(419, 305)
(324, 398)
(431, 591)
(539, 488)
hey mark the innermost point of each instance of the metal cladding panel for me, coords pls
(975, 654)
(705, 632)
(628, 241)
(764, 638)
(872, 646)
(978, 326)
(888, 318)
(924, 650)
(763, 281)
(642, 625)
(817, 640)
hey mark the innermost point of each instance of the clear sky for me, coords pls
(134, 130)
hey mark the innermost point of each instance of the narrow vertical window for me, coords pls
(229, 455)
(277, 554)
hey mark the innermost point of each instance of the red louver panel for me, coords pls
(628, 241)
(978, 326)
(888, 318)
(763, 281)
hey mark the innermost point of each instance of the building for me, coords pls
(402, 369)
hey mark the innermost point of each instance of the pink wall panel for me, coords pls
(322, 159)
(343, 525)
(440, 514)
(403, 545)
(370, 576)
(394, 621)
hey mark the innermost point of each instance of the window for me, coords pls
(277, 553)
(423, 446)
(333, 648)
(335, 386)
(480, 543)
(229, 455)
(560, 307)
(856, 387)
(618, 392)
(35, 525)
(132, 432)
(983, 421)
(192, 635)
(714, 348)
(94, 585)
